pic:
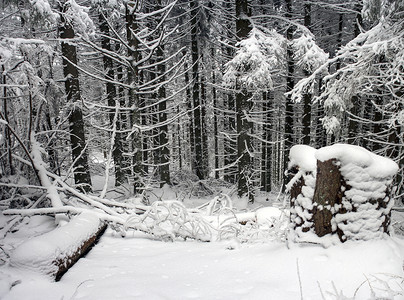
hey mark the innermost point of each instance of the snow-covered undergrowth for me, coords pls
(247, 257)
(140, 267)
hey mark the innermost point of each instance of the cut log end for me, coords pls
(66, 263)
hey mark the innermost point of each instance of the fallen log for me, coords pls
(53, 253)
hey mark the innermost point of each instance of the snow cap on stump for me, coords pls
(374, 165)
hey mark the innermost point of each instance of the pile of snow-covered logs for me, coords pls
(53, 253)
(339, 193)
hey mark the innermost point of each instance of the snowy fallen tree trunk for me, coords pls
(53, 253)
(350, 199)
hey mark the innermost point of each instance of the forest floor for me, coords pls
(139, 266)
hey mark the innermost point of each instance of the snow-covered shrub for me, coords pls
(186, 184)
(168, 220)
(266, 224)
(346, 195)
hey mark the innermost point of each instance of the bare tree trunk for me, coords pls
(7, 133)
(72, 88)
(191, 131)
(307, 96)
(290, 83)
(117, 152)
(198, 146)
(133, 80)
(266, 158)
(215, 120)
(163, 129)
(353, 126)
(243, 106)
(204, 131)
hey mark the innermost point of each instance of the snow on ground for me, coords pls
(139, 267)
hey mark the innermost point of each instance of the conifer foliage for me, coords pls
(147, 92)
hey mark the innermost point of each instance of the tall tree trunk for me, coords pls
(179, 141)
(123, 116)
(290, 83)
(72, 88)
(163, 129)
(204, 131)
(215, 120)
(133, 80)
(7, 133)
(230, 153)
(353, 126)
(198, 147)
(307, 96)
(243, 106)
(117, 152)
(266, 159)
(191, 131)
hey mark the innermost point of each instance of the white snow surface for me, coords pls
(138, 267)
(376, 166)
(37, 254)
(303, 156)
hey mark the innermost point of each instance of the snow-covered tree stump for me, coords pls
(351, 199)
(53, 253)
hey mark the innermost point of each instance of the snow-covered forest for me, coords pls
(273, 129)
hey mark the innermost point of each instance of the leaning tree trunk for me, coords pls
(72, 88)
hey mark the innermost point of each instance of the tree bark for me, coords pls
(307, 96)
(133, 80)
(326, 195)
(290, 83)
(243, 107)
(215, 120)
(198, 146)
(117, 152)
(72, 88)
(7, 133)
(266, 157)
(163, 129)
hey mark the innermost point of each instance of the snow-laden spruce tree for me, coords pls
(308, 57)
(372, 70)
(250, 71)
